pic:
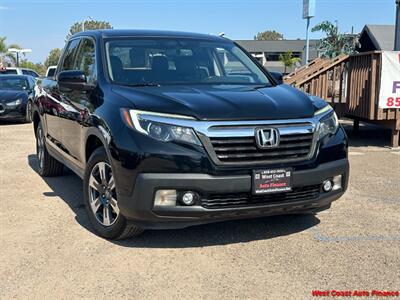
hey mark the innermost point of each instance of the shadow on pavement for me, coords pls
(231, 232)
(10, 122)
(369, 135)
(69, 189)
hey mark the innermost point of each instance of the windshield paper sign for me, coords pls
(389, 96)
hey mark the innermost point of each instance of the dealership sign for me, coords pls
(389, 96)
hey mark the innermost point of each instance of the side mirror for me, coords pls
(277, 76)
(74, 80)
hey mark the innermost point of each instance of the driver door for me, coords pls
(54, 109)
(78, 103)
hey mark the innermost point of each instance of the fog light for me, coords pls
(165, 198)
(189, 198)
(327, 185)
(337, 183)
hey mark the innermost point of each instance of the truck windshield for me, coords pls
(162, 61)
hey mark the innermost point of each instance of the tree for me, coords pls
(268, 35)
(89, 25)
(38, 68)
(53, 57)
(288, 59)
(3, 45)
(4, 50)
(335, 43)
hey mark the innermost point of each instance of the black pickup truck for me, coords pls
(172, 129)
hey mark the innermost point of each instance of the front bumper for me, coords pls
(15, 113)
(139, 208)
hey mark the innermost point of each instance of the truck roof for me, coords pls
(105, 33)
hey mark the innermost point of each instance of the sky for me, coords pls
(43, 24)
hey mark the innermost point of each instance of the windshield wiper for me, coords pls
(260, 86)
(142, 84)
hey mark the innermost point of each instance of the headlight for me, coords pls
(14, 103)
(323, 110)
(159, 130)
(328, 125)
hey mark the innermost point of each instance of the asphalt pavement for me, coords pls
(48, 249)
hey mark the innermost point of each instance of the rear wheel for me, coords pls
(101, 199)
(47, 165)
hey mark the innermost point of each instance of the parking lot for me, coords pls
(48, 248)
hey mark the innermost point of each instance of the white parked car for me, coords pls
(51, 71)
(18, 71)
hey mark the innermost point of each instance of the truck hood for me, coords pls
(221, 102)
(12, 95)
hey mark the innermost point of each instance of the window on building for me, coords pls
(274, 56)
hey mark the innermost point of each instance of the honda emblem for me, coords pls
(267, 137)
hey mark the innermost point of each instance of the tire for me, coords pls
(47, 165)
(101, 201)
(28, 112)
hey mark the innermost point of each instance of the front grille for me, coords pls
(245, 150)
(247, 199)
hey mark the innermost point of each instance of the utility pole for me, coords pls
(308, 13)
(307, 41)
(397, 28)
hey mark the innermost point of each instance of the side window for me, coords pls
(33, 74)
(69, 55)
(86, 60)
(25, 72)
(32, 82)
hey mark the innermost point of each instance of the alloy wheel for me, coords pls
(102, 194)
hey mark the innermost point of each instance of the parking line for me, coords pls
(323, 238)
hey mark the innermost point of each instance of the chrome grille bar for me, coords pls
(229, 146)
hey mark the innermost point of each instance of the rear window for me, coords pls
(8, 71)
(50, 72)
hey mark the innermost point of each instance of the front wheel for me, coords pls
(28, 112)
(101, 199)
